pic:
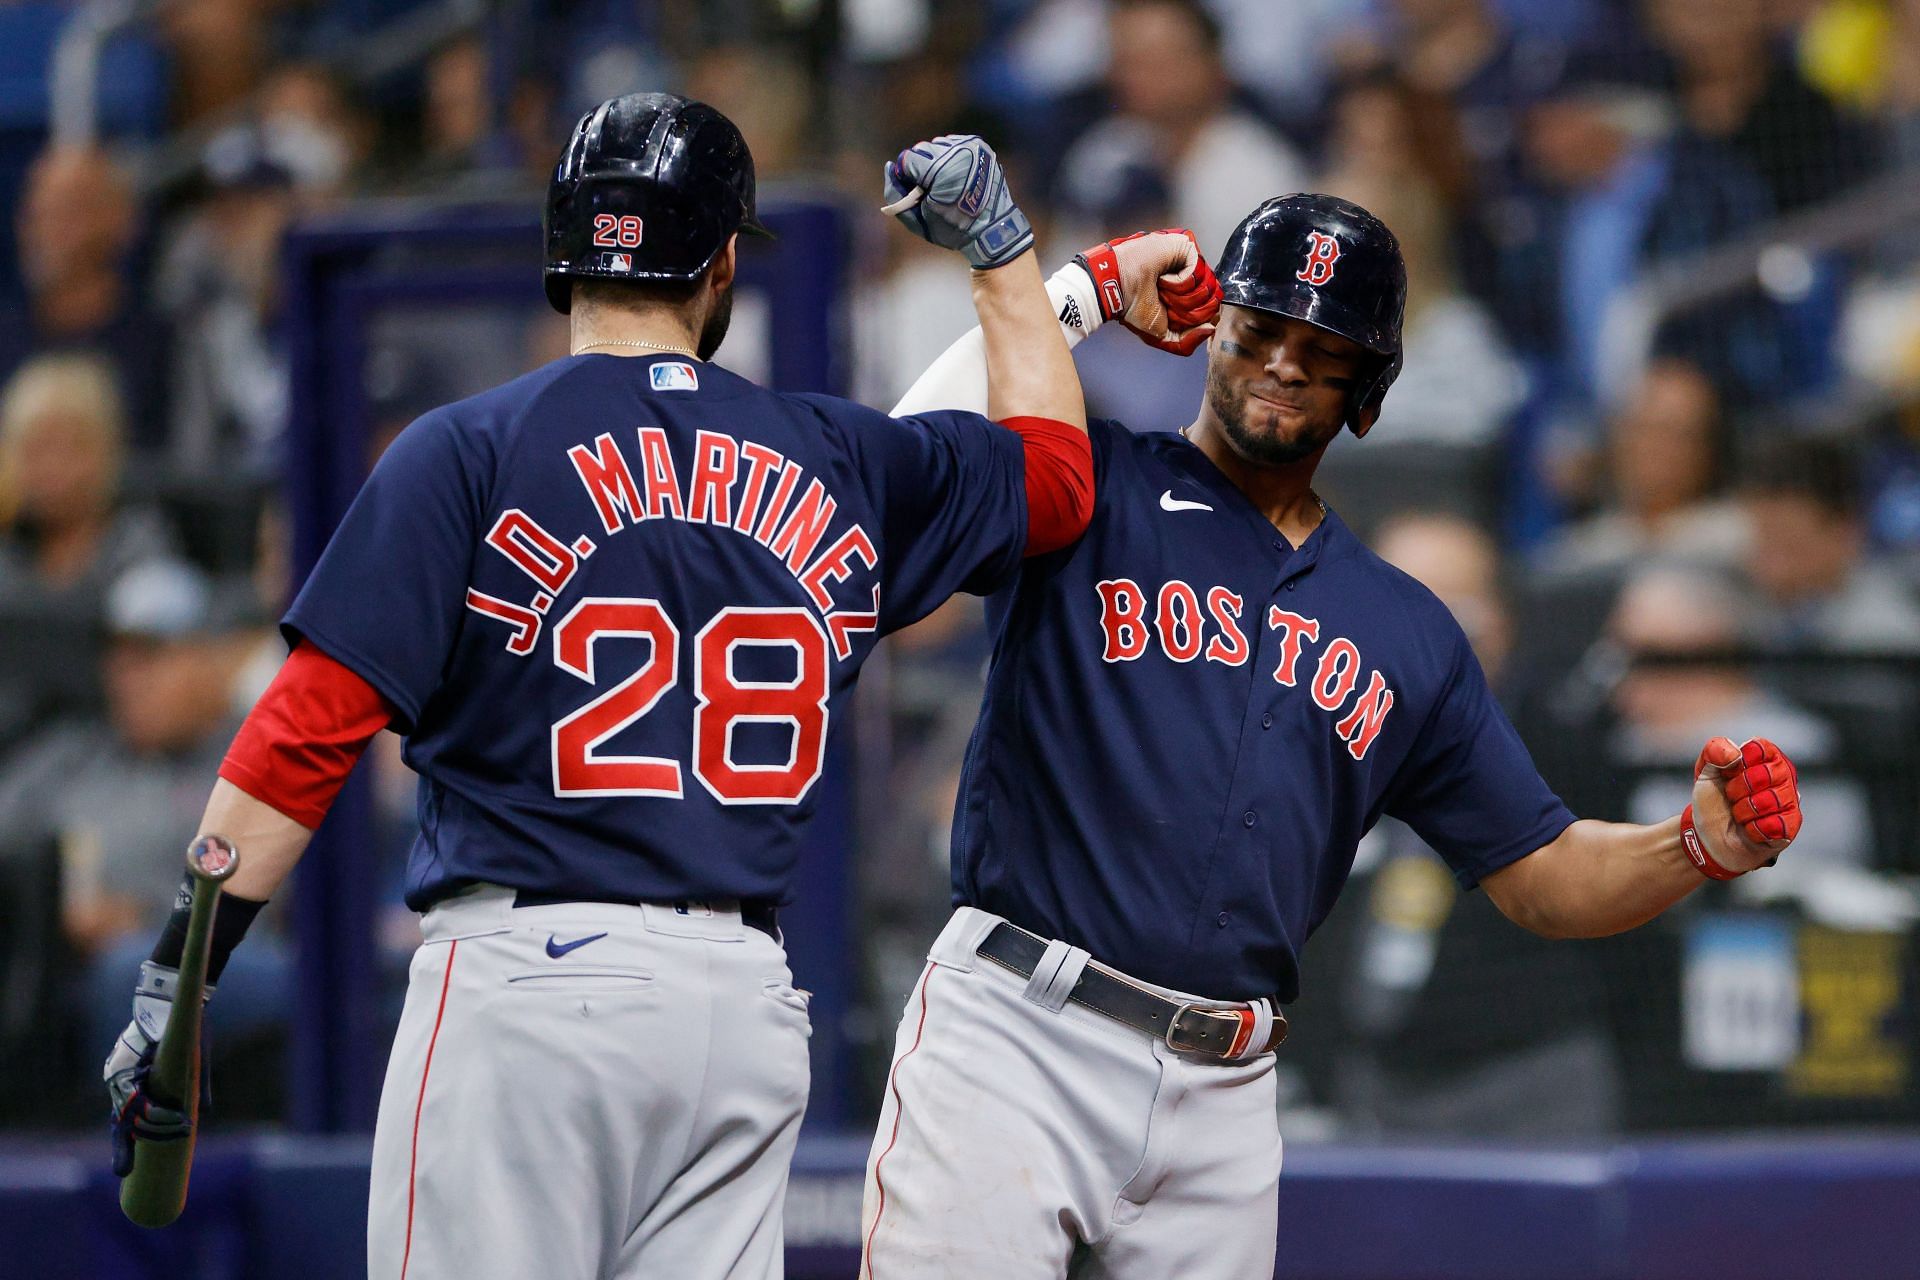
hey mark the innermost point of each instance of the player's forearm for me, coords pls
(1595, 879)
(957, 379)
(1030, 372)
(270, 843)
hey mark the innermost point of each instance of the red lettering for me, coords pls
(525, 622)
(804, 527)
(1333, 679)
(789, 477)
(1230, 646)
(1295, 629)
(1362, 724)
(608, 481)
(541, 556)
(833, 565)
(1176, 617)
(656, 469)
(716, 460)
(842, 624)
(1123, 608)
(761, 461)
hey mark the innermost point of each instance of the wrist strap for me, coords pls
(1697, 850)
(1076, 303)
(230, 924)
(1102, 266)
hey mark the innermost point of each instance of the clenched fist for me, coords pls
(951, 191)
(1745, 810)
(1157, 284)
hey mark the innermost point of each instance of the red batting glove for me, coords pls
(1748, 801)
(1177, 310)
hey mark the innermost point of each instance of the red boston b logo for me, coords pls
(1322, 252)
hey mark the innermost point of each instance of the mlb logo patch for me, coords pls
(619, 262)
(674, 376)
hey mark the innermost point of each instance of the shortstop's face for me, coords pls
(1279, 386)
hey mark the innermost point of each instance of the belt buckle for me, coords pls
(1239, 1022)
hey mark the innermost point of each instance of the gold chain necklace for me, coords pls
(650, 346)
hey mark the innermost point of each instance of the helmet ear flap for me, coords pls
(1363, 407)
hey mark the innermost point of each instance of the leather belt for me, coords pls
(1186, 1028)
(756, 913)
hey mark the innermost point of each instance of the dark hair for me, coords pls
(1195, 12)
(1822, 470)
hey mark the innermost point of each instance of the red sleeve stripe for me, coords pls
(1059, 482)
(304, 736)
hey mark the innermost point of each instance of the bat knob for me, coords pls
(213, 858)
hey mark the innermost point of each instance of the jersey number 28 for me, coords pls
(723, 701)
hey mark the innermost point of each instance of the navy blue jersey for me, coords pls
(617, 602)
(1189, 725)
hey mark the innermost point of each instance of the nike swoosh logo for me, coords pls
(556, 948)
(1170, 503)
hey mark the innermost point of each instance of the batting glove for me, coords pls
(952, 192)
(1157, 284)
(1745, 810)
(135, 1115)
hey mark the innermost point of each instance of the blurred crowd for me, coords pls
(1657, 441)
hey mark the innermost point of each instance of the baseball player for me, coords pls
(1192, 715)
(615, 606)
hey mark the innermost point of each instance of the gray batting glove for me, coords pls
(952, 192)
(135, 1115)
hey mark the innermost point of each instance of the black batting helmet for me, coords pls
(1330, 263)
(650, 187)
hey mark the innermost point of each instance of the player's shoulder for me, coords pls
(1406, 596)
(854, 416)
(872, 437)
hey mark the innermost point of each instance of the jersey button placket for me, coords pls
(1248, 818)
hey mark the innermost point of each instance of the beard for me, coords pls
(714, 331)
(1268, 448)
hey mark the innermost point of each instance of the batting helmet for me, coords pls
(650, 187)
(1330, 263)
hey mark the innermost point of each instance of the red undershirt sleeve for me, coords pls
(304, 736)
(1059, 482)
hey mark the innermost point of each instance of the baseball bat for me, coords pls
(156, 1191)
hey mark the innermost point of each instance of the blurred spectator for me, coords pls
(219, 49)
(218, 281)
(1665, 451)
(1466, 50)
(63, 534)
(1175, 118)
(458, 110)
(120, 801)
(1817, 587)
(309, 120)
(1668, 712)
(1634, 191)
(76, 226)
(1893, 499)
(1427, 1045)
(1282, 53)
(766, 92)
(1395, 153)
(1737, 87)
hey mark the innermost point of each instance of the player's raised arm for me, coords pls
(952, 192)
(1156, 283)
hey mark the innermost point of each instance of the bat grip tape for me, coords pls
(230, 924)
